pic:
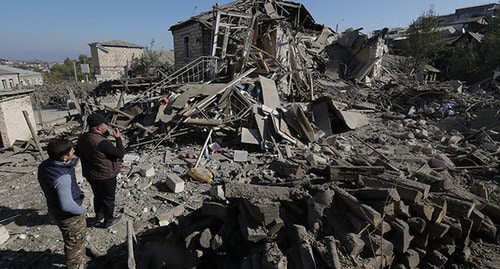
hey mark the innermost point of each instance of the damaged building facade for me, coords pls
(267, 148)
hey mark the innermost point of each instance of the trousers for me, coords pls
(73, 230)
(104, 197)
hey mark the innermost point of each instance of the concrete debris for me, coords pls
(4, 234)
(147, 171)
(293, 146)
(175, 183)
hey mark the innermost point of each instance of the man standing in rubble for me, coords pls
(57, 179)
(100, 166)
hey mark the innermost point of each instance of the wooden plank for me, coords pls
(407, 193)
(376, 194)
(400, 235)
(417, 224)
(269, 93)
(349, 173)
(437, 230)
(322, 117)
(440, 210)
(361, 210)
(34, 135)
(458, 208)
(250, 191)
(75, 101)
(423, 210)
(131, 240)
(332, 247)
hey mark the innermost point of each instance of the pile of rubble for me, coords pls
(309, 169)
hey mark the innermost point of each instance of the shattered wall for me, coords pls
(12, 124)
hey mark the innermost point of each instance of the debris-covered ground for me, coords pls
(316, 154)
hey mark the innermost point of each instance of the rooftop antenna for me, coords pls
(195, 7)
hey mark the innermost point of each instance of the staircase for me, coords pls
(204, 68)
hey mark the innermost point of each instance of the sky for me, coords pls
(53, 30)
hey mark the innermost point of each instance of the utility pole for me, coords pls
(74, 69)
(337, 26)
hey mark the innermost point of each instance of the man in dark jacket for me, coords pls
(100, 166)
(56, 176)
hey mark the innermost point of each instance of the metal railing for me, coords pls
(204, 68)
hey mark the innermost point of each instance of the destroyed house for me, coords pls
(250, 52)
(234, 30)
(112, 59)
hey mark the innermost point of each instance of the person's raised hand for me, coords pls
(117, 133)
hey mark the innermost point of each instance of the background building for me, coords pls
(8, 79)
(112, 59)
(26, 78)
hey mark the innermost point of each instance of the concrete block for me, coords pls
(175, 183)
(401, 151)
(254, 234)
(240, 156)
(315, 159)
(454, 140)
(130, 158)
(422, 134)
(275, 226)
(147, 171)
(4, 234)
(217, 192)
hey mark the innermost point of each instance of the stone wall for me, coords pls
(13, 126)
(113, 63)
(195, 33)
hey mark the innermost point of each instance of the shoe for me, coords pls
(98, 223)
(110, 223)
(98, 220)
(92, 252)
(99, 217)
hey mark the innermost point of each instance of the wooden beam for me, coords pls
(130, 245)
(350, 173)
(75, 101)
(358, 208)
(34, 135)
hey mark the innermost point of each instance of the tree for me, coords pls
(65, 71)
(425, 42)
(150, 63)
(490, 49)
(462, 61)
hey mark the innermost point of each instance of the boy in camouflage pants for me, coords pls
(57, 179)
